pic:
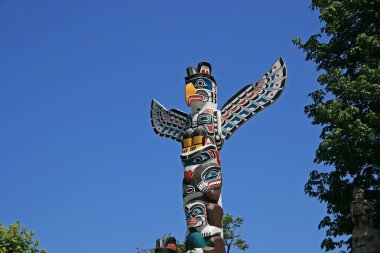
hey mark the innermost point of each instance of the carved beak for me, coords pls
(189, 90)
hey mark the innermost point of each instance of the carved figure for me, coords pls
(365, 238)
(361, 210)
(202, 134)
(166, 245)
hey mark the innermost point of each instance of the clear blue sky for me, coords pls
(79, 162)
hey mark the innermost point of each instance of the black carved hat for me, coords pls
(203, 70)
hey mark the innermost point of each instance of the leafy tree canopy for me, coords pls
(232, 237)
(347, 54)
(14, 239)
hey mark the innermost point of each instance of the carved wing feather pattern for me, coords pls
(253, 98)
(170, 124)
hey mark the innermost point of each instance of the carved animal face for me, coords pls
(212, 177)
(194, 161)
(358, 193)
(196, 215)
(206, 154)
(202, 170)
(200, 86)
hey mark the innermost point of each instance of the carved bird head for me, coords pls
(200, 91)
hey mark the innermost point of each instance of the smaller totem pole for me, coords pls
(202, 134)
(166, 245)
(365, 238)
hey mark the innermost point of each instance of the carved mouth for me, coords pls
(214, 184)
(192, 222)
(194, 97)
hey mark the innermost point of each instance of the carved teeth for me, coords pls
(216, 182)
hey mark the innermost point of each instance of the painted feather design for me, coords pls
(170, 124)
(253, 98)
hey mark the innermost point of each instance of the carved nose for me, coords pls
(188, 175)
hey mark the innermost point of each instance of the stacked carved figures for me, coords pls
(365, 238)
(202, 134)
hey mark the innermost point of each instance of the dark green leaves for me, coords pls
(347, 53)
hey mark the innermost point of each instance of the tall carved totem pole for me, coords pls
(202, 134)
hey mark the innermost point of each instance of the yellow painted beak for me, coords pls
(189, 90)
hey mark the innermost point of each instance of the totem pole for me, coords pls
(365, 238)
(202, 134)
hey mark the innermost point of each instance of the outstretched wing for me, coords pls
(171, 124)
(253, 98)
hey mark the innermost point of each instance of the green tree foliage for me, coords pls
(231, 235)
(14, 239)
(181, 247)
(347, 54)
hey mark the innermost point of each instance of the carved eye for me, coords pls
(200, 83)
(211, 174)
(198, 159)
(197, 211)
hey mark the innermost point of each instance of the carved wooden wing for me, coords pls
(253, 98)
(171, 124)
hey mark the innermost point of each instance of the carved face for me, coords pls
(196, 215)
(203, 155)
(200, 89)
(194, 161)
(202, 170)
(200, 86)
(358, 193)
(212, 177)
